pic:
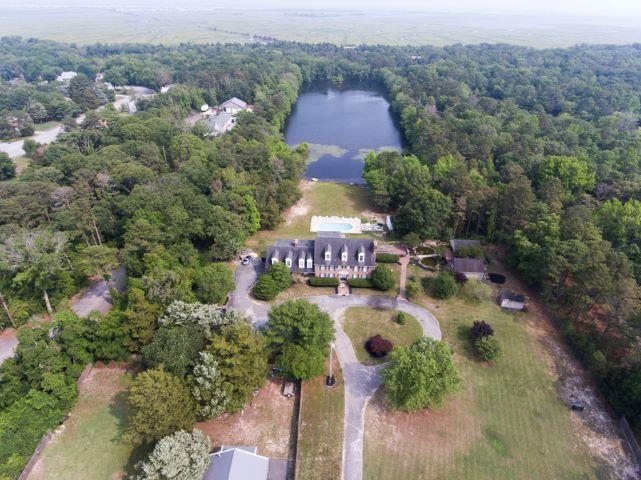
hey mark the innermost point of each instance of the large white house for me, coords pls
(234, 105)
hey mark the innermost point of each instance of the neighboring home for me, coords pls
(234, 105)
(243, 463)
(471, 267)
(330, 255)
(66, 76)
(221, 123)
(511, 300)
(457, 244)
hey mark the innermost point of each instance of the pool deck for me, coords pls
(336, 224)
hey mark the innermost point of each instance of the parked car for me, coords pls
(247, 259)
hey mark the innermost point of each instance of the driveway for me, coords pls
(361, 382)
(97, 297)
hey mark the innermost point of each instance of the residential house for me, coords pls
(66, 76)
(330, 255)
(472, 267)
(221, 123)
(511, 300)
(243, 463)
(234, 105)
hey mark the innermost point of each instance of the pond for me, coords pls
(341, 126)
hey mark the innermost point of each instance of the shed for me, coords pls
(511, 300)
(471, 267)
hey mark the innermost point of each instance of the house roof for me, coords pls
(460, 243)
(513, 297)
(294, 250)
(234, 102)
(237, 463)
(336, 243)
(469, 265)
(219, 122)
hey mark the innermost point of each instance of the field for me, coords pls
(21, 163)
(321, 198)
(507, 422)
(320, 445)
(91, 444)
(362, 323)
(267, 423)
(120, 22)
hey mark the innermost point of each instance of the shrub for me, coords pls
(383, 278)
(378, 346)
(359, 282)
(444, 286)
(481, 329)
(487, 347)
(266, 288)
(470, 252)
(476, 291)
(323, 282)
(281, 275)
(401, 318)
(460, 278)
(386, 258)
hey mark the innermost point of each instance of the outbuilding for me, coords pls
(511, 300)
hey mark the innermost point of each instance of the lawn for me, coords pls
(267, 423)
(21, 163)
(319, 198)
(91, 445)
(320, 438)
(507, 422)
(362, 323)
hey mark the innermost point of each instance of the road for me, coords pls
(361, 382)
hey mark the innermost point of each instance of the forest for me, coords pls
(538, 151)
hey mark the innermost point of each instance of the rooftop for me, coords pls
(237, 463)
(470, 265)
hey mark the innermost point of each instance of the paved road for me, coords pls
(361, 382)
(97, 296)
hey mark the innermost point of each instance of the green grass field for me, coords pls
(362, 323)
(21, 163)
(91, 446)
(320, 436)
(110, 24)
(507, 422)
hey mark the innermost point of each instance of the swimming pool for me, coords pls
(334, 227)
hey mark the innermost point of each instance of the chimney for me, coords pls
(296, 242)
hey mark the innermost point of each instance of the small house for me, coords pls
(472, 267)
(511, 300)
(221, 123)
(244, 463)
(66, 76)
(234, 105)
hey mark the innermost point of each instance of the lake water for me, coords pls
(341, 127)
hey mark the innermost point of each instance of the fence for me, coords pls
(632, 441)
(46, 438)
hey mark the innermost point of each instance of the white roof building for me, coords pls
(66, 76)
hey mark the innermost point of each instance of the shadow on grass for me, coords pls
(463, 336)
(119, 410)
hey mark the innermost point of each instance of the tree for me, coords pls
(378, 347)
(159, 404)
(383, 278)
(444, 286)
(281, 275)
(209, 318)
(213, 283)
(420, 376)
(242, 361)
(7, 168)
(481, 329)
(299, 333)
(487, 347)
(209, 388)
(100, 260)
(176, 347)
(265, 288)
(179, 456)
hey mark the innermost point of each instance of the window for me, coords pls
(322, 266)
(274, 260)
(310, 263)
(288, 262)
(301, 263)
(328, 255)
(364, 269)
(344, 256)
(361, 257)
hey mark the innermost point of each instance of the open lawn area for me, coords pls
(320, 439)
(21, 163)
(91, 445)
(268, 423)
(362, 323)
(507, 422)
(319, 198)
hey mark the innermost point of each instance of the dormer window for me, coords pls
(328, 254)
(301, 262)
(344, 253)
(361, 257)
(288, 262)
(274, 260)
(310, 263)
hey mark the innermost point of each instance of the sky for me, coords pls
(567, 7)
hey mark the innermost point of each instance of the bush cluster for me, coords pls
(378, 347)
(485, 343)
(401, 318)
(323, 282)
(276, 280)
(359, 283)
(443, 286)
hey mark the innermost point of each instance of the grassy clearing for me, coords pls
(362, 323)
(319, 198)
(267, 423)
(507, 421)
(91, 445)
(320, 440)
(21, 163)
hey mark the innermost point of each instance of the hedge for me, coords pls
(359, 282)
(323, 282)
(387, 258)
